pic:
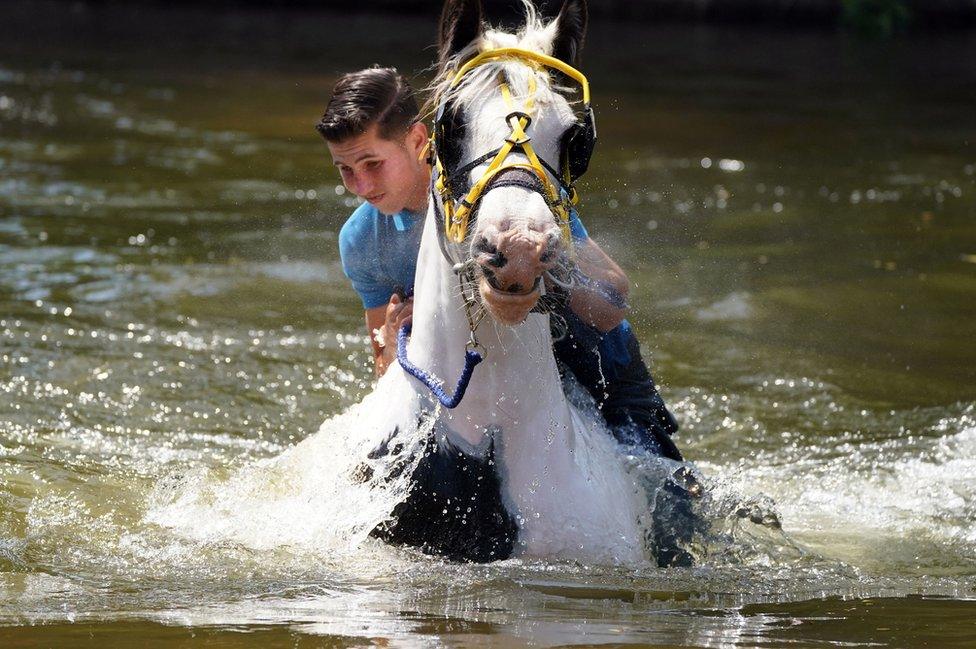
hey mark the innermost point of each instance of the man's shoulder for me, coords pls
(358, 228)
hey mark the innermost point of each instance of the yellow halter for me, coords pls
(456, 216)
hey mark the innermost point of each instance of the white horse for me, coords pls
(515, 467)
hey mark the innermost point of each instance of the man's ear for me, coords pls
(416, 138)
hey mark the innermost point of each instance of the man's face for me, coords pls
(387, 173)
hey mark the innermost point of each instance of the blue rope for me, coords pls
(471, 358)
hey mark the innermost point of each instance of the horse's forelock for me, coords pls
(536, 35)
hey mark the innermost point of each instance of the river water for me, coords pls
(796, 211)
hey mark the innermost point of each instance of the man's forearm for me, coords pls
(597, 303)
(379, 365)
(600, 288)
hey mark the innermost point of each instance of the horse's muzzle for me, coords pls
(511, 271)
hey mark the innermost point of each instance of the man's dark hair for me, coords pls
(372, 96)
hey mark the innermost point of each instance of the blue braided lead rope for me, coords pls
(471, 359)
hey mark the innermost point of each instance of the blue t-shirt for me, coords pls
(379, 252)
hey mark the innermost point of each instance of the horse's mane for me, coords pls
(536, 35)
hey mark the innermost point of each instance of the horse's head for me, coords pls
(509, 146)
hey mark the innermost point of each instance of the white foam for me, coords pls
(314, 495)
(878, 499)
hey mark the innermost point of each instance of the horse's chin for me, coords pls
(508, 308)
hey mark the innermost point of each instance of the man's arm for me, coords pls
(375, 319)
(600, 298)
(388, 318)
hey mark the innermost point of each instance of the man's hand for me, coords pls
(383, 324)
(398, 312)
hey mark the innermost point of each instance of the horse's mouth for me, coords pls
(508, 307)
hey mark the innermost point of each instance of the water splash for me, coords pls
(325, 494)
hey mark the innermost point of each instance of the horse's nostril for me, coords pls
(497, 260)
(552, 247)
(484, 247)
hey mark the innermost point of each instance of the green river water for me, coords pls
(797, 214)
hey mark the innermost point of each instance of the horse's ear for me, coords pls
(460, 25)
(570, 31)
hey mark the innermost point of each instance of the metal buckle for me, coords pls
(474, 346)
(521, 115)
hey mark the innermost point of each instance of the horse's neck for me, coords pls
(517, 386)
(555, 473)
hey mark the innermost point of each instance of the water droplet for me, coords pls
(726, 164)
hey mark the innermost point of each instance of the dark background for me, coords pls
(873, 16)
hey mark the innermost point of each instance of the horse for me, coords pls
(511, 466)
(513, 462)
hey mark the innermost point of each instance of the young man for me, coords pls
(373, 132)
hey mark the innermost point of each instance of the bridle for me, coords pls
(455, 204)
(458, 204)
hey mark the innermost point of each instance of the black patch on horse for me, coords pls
(454, 508)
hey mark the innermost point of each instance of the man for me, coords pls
(373, 132)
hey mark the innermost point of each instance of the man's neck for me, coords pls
(419, 203)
